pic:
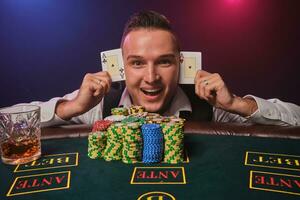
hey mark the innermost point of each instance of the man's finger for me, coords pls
(200, 90)
(202, 73)
(106, 80)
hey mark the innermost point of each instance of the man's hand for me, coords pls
(92, 90)
(212, 88)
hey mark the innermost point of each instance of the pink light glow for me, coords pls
(233, 1)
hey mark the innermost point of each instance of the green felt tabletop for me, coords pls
(216, 170)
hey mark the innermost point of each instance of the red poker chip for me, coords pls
(101, 125)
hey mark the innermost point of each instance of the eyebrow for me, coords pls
(162, 56)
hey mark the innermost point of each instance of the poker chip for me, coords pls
(119, 111)
(166, 119)
(115, 118)
(153, 115)
(130, 119)
(140, 114)
(156, 121)
(136, 109)
(101, 125)
(179, 121)
(152, 143)
(154, 118)
(96, 144)
(133, 125)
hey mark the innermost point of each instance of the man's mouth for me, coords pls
(151, 92)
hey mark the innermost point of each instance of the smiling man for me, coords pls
(151, 56)
(152, 65)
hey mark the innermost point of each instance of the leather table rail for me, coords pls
(212, 128)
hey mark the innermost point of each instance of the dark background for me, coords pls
(46, 46)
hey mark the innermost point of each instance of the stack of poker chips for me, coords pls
(173, 142)
(114, 145)
(96, 145)
(132, 143)
(140, 136)
(97, 139)
(152, 143)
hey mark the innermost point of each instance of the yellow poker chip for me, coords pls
(139, 114)
(119, 111)
(154, 115)
(157, 120)
(177, 120)
(165, 119)
(136, 109)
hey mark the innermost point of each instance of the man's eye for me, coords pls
(136, 63)
(165, 62)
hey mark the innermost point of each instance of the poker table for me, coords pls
(221, 162)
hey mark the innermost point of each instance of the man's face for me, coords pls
(151, 68)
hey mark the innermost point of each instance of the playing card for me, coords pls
(188, 68)
(112, 62)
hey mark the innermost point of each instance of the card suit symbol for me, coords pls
(121, 70)
(190, 67)
(104, 60)
(112, 65)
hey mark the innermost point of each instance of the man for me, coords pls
(151, 58)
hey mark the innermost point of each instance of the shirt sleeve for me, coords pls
(49, 118)
(269, 112)
(275, 112)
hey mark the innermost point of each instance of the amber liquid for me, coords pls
(17, 152)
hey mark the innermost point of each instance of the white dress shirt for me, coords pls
(272, 111)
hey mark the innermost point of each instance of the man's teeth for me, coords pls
(153, 90)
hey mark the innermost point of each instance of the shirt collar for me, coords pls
(179, 103)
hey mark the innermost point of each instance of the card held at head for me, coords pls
(191, 62)
(112, 62)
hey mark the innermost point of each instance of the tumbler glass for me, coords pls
(20, 134)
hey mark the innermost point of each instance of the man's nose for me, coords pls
(151, 74)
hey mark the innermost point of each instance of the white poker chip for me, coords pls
(115, 118)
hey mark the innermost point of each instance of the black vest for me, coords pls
(202, 111)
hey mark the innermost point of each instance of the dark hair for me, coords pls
(148, 20)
